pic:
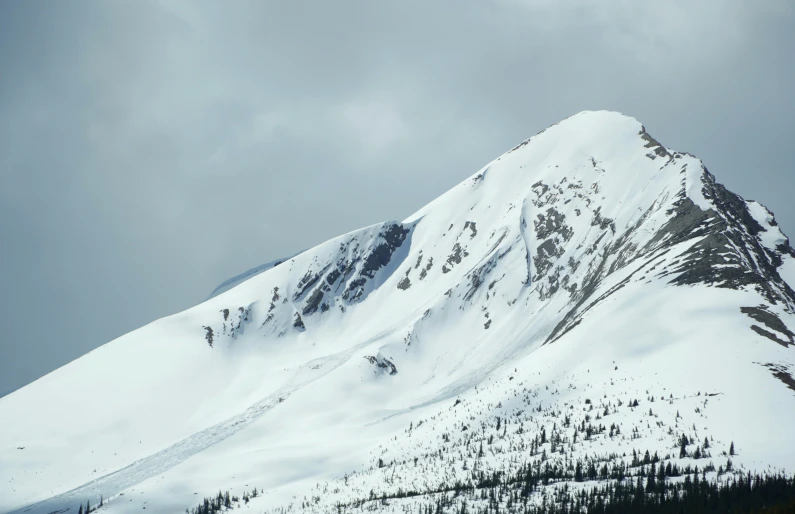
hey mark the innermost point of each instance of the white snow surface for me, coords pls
(297, 396)
(228, 284)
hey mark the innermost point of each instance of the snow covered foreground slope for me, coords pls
(586, 269)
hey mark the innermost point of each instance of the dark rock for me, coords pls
(472, 226)
(659, 150)
(209, 335)
(771, 321)
(333, 276)
(382, 363)
(313, 302)
(553, 222)
(478, 276)
(377, 258)
(782, 373)
(728, 253)
(602, 222)
(298, 323)
(426, 269)
(454, 258)
(770, 335)
(540, 189)
(307, 281)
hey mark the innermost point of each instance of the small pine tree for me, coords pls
(88, 506)
(706, 443)
(650, 481)
(81, 509)
(731, 449)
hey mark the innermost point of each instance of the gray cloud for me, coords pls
(149, 150)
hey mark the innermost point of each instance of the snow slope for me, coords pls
(239, 279)
(587, 263)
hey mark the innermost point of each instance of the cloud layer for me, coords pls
(150, 150)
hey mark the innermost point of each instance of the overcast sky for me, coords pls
(150, 150)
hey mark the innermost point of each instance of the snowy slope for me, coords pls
(587, 263)
(228, 284)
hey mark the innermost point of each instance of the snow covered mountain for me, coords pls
(588, 295)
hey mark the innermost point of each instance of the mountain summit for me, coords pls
(588, 278)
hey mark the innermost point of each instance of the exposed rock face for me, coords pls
(382, 364)
(776, 331)
(584, 238)
(344, 277)
(724, 250)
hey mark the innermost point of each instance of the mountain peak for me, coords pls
(584, 270)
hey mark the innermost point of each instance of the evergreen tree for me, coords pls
(650, 480)
(731, 449)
